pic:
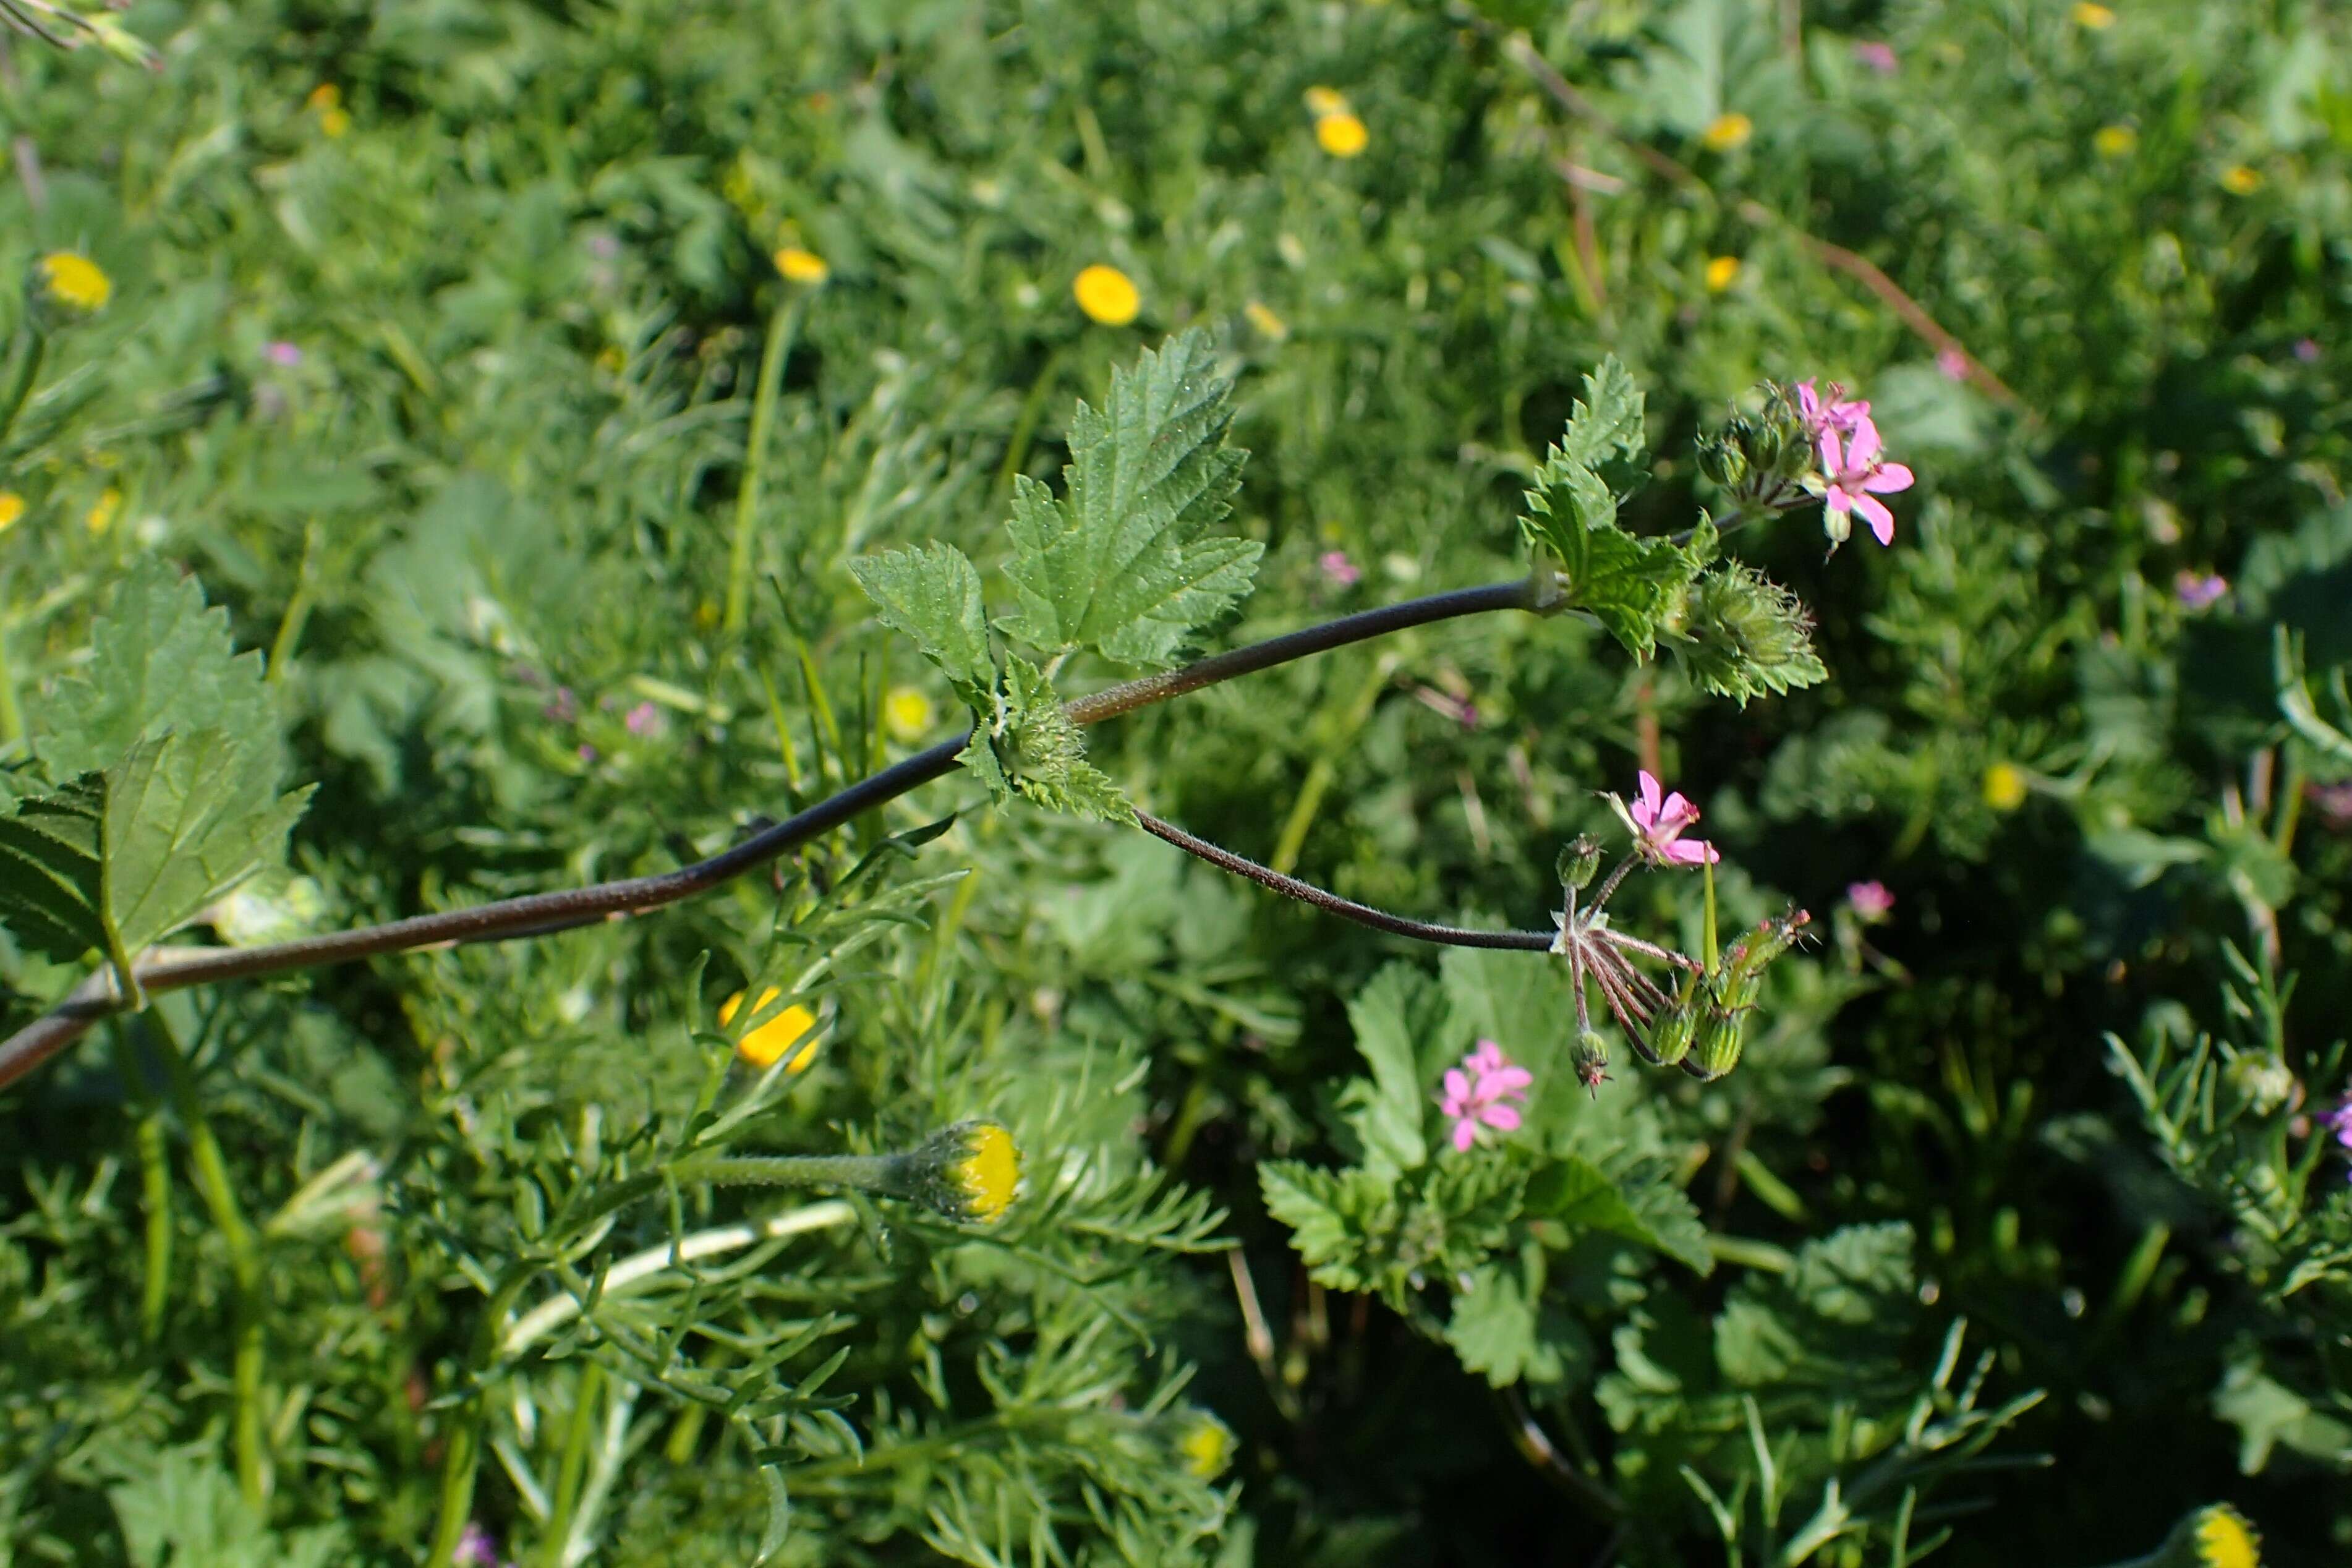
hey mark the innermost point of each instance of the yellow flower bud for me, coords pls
(2114, 141)
(2004, 786)
(800, 266)
(2097, 19)
(2225, 1540)
(768, 1042)
(1207, 1446)
(989, 1172)
(12, 507)
(1721, 273)
(73, 282)
(907, 715)
(1342, 135)
(1727, 132)
(1107, 295)
(2241, 181)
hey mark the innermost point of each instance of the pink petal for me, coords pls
(1457, 1088)
(1809, 404)
(1833, 455)
(1650, 792)
(1507, 1080)
(1881, 521)
(1501, 1118)
(1837, 499)
(1690, 852)
(1466, 1133)
(1887, 478)
(1866, 443)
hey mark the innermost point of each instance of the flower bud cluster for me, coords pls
(1703, 1029)
(1761, 457)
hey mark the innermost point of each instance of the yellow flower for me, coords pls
(1721, 273)
(102, 510)
(907, 715)
(1268, 323)
(989, 1172)
(1206, 1445)
(771, 1039)
(1325, 100)
(334, 122)
(2241, 181)
(325, 96)
(1107, 295)
(1342, 134)
(75, 280)
(2004, 786)
(2225, 1540)
(2098, 18)
(800, 266)
(1729, 131)
(12, 507)
(2114, 141)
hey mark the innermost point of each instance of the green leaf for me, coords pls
(1631, 1197)
(1499, 1330)
(1629, 585)
(1032, 750)
(175, 797)
(1123, 565)
(1387, 1110)
(932, 593)
(1329, 1214)
(161, 660)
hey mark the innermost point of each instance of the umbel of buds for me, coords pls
(1760, 458)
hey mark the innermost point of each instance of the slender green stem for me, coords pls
(24, 365)
(540, 914)
(218, 1188)
(153, 1142)
(782, 326)
(579, 1433)
(462, 1444)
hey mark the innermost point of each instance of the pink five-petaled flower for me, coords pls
(1836, 412)
(1478, 1092)
(1657, 820)
(1337, 570)
(1856, 473)
(1870, 900)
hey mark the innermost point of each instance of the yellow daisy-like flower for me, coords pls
(989, 1172)
(907, 715)
(2096, 17)
(2114, 141)
(1721, 273)
(1207, 1446)
(1342, 134)
(2004, 786)
(1268, 323)
(1107, 295)
(2241, 181)
(1727, 132)
(2225, 1540)
(1324, 101)
(102, 510)
(12, 507)
(767, 1043)
(800, 266)
(73, 282)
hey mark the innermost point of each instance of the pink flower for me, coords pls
(2308, 350)
(2199, 591)
(1337, 570)
(1477, 1091)
(1836, 414)
(282, 353)
(1953, 364)
(643, 719)
(1854, 473)
(1657, 820)
(2339, 1121)
(1871, 901)
(474, 1548)
(1879, 58)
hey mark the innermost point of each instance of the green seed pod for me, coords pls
(1720, 458)
(1674, 1028)
(1716, 1051)
(1579, 860)
(1591, 1058)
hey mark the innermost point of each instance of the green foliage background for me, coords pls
(484, 528)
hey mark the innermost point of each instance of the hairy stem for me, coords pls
(540, 914)
(1332, 903)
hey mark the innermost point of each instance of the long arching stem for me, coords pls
(540, 914)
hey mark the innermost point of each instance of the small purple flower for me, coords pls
(1856, 474)
(1879, 58)
(283, 354)
(587, 753)
(644, 719)
(1953, 364)
(2339, 1121)
(1478, 1092)
(2197, 591)
(1337, 570)
(2333, 803)
(2308, 350)
(1871, 901)
(474, 1548)
(562, 707)
(1658, 819)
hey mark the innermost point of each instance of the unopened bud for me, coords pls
(1591, 1058)
(1579, 860)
